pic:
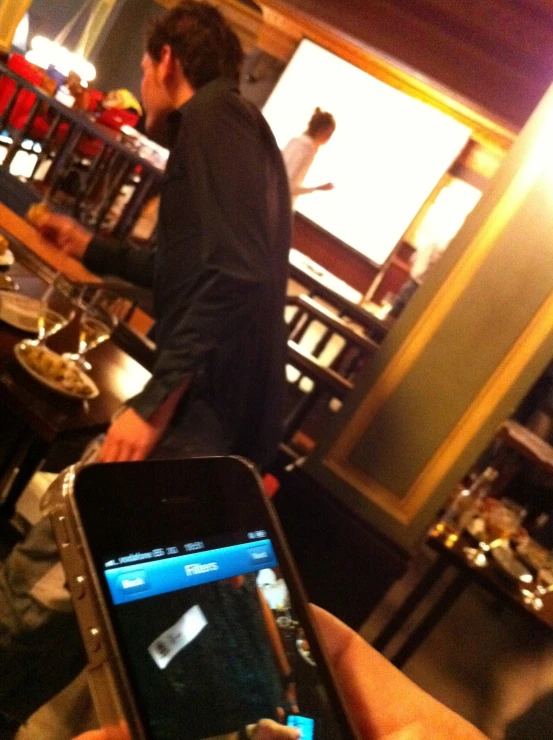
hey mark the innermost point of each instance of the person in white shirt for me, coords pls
(300, 152)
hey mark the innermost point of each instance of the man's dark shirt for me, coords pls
(219, 270)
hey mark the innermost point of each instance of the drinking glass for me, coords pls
(496, 522)
(6, 262)
(57, 309)
(99, 318)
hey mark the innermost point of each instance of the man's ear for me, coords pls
(166, 65)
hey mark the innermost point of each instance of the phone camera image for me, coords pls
(304, 724)
(214, 644)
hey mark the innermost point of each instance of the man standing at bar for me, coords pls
(219, 278)
(220, 268)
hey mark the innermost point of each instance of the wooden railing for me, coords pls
(68, 143)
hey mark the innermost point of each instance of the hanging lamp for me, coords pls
(45, 52)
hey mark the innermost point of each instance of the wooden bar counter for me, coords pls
(37, 252)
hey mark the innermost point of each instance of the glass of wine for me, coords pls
(99, 318)
(57, 309)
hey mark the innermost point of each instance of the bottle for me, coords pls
(464, 507)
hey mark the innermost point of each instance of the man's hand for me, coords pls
(326, 186)
(66, 234)
(130, 438)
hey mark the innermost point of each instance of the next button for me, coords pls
(261, 555)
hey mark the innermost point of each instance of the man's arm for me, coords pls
(303, 190)
(101, 256)
(111, 257)
(130, 437)
(221, 305)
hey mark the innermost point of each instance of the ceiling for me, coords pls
(497, 54)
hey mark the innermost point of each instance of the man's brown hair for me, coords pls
(201, 40)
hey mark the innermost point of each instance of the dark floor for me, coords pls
(483, 660)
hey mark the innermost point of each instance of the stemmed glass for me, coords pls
(6, 261)
(57, 309)
(98, 319)
(495, 522)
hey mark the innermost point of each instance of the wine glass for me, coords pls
(6, 261)
(57, 309)
(99, 318)
(494, 523)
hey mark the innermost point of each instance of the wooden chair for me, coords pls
(327, 384)
(325, 354)
(339, 345)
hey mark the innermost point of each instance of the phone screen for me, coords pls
(213, 642)
(305, 724)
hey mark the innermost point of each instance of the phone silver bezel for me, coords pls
(111, 693)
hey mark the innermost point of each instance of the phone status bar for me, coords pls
(186, 549)
(259, 534)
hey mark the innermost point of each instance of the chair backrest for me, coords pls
(324, 384)
(25, 98)
(328, 337)
(18, 64)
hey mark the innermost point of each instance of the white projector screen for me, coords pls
(388, 151)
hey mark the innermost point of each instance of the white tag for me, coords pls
(164, 648)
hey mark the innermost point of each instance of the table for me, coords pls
(42, 257)
(452, 557)
(47, 415)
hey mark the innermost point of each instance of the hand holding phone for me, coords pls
(190, 606)
(383, 702)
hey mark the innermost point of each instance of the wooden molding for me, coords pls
(279, 35)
